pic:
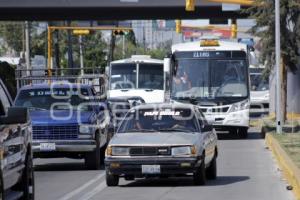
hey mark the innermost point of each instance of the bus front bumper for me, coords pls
(231, 119)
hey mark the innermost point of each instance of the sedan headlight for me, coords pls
(120, 151)
(185, 150)
(240, 106)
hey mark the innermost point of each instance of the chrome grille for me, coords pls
(149, 151)
(215, 110)
(65, 132)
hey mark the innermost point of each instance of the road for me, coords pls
(246, 170)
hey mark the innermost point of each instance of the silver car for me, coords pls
(162, 140)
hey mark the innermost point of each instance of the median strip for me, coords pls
(289, 168)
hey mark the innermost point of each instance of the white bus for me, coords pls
(139, 76)
(214, 75)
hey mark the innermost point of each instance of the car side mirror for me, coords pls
(207, 128)
(15, 115)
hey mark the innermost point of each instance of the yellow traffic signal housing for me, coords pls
(233, 30)
(119, 32)
(81, 32)
(190, 5)
(178, 26)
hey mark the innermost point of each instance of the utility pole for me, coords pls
(70, 50)
(81, 55)
(278, 74)
(123, 46)
(27, 54)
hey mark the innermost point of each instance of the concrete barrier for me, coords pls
(290, 170)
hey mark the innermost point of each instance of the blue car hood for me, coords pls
(45, 118)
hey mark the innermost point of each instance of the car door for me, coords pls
(100, 112)
(206, 130)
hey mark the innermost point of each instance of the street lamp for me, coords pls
(278, 74)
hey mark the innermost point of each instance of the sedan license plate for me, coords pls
(151, 169)
(47, 147)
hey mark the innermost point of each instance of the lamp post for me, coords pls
(278, 74)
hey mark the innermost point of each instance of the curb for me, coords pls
(290, 170)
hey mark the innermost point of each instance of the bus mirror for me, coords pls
(167, 63)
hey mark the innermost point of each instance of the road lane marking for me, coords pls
(93, 192)
(83, 187)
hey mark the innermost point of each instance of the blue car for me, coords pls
(68, 120)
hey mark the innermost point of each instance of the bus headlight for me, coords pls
(240, 106)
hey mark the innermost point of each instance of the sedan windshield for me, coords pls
(160, 120)
(57, 99)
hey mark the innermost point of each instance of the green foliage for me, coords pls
(93, 50)
(12, 33)
(263, 12)
(131, 49)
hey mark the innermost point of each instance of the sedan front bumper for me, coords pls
(65, 145)
(168, 166)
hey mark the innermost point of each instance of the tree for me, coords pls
(13, 34)
(264, 13)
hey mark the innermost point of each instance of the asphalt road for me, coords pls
(246, 171)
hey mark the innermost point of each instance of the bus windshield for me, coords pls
(210, 79)
(258, 82)
(124, 76)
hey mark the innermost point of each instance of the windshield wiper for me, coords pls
(141, 130)
(174, 129)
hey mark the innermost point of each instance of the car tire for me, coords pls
(26, 184)
(93, 159)
(1, 187)
(111, 179)
(243, 133)
(211, 171)
(199, 176)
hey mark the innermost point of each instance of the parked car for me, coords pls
(162, 140)
(16, 172)
(68, 120)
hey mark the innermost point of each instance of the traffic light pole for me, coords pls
(81, 55)
(278, 74)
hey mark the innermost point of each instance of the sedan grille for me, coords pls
(149, 151)
(55, 132)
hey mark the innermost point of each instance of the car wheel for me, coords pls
(211, 171)
(112, 180)
(93, 159)
(26, 185)
(102, 154)
(1, 187)
(199, 176)
(243, 133)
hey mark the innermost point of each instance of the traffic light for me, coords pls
(81, 32)
(50, 72)
(190, 5)
(178, 26)
(233, 29)
(120, 32)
